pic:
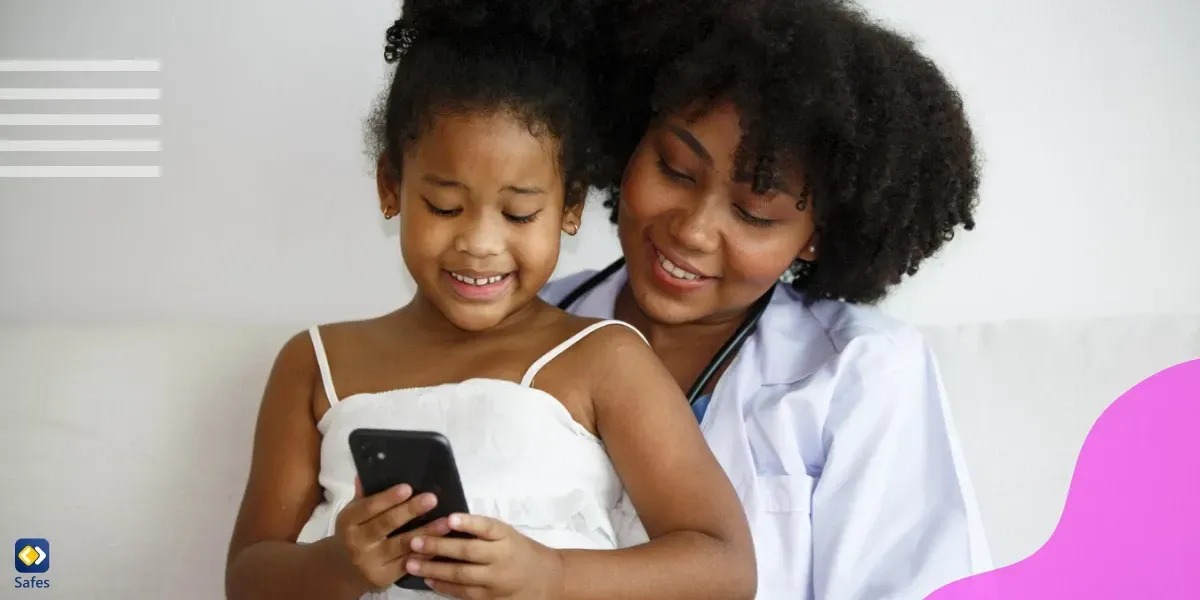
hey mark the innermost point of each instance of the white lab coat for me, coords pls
(833, 426)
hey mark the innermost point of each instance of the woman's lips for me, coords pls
(672, 275)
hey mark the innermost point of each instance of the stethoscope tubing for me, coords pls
(727, 351)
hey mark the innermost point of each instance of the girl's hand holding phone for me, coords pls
(370, 558)
(498, 563)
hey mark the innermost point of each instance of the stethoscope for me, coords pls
(727, 351)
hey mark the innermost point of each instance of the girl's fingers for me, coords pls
(384, 523)
(401, 545)
(450, 572)
(484, 528)
(473, 551)
(454, 590)
(362, 509)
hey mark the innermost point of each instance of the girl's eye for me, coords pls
(438, 211)
(672, 173)
(746, 216)
(522, 219)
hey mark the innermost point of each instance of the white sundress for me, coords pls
(522, 458)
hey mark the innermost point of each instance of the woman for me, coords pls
(795, 162)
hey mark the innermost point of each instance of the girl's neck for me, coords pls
(429, 319)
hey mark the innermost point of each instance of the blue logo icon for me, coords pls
(31, 555)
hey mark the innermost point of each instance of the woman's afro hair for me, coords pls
(879, 133)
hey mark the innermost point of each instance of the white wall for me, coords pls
(265, 211)
(1086, 114)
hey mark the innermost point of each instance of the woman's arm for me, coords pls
(700, 544)
(893, 513)
(264, 561)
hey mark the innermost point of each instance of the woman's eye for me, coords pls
(672, 173)
(439, 211)
(746, 216)
(522, 219)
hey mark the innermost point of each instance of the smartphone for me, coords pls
(424, 460)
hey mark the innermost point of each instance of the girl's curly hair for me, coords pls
(530, 58)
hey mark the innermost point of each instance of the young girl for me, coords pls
(487, 145)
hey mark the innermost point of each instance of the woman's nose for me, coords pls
(695, 227)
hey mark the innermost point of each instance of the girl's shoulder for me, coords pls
(594, 342)
(357, 334)
(584, 344)
(353, 345)
(591, 356)
(358, 327)
(304, 349)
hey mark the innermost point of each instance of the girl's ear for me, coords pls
(573, 213)
(576, 194)
(388, 185)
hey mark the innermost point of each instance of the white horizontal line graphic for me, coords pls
(80, 146)
(78, 171)
(78, 119)
(80, 94)
(114, 66)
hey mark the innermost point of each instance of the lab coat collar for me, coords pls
(602, 300)
(793, 341)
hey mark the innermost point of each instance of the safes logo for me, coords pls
(31, 555)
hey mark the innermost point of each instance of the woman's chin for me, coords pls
(664, 307)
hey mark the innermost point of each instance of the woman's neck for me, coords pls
(627, 309)
(685, 348)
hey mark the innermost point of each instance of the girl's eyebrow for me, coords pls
(524, 190)
(442, 181)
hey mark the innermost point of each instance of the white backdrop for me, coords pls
(265, 209)
(265, 214)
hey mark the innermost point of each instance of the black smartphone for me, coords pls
(386, 458)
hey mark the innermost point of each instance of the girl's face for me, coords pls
(699, 246)
(481, 204)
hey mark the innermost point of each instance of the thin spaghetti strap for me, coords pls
(323, 363)
(545, 359)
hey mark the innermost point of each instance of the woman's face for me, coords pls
(700, 246)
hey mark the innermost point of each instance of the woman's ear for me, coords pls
(809, 252)
(388, 185)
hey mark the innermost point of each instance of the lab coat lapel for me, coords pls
(789, 344)
(723, 426)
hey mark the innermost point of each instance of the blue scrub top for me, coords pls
(700, 406)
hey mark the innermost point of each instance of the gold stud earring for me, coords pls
(387, 213)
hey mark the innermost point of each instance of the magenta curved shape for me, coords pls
(1131, 523)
